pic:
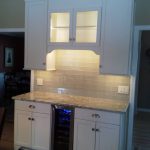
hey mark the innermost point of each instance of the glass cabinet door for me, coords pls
(86, 26)
(59, 27)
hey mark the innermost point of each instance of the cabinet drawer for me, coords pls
(32, 106)
(98, 116)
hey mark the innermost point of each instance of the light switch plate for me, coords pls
(123, 89)
(39, 81)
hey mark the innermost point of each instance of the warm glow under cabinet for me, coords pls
(50, 61)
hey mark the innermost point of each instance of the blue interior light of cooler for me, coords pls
(67, 111)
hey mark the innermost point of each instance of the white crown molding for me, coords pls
(12, 29)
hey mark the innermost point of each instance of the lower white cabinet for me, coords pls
(107, 137)
(84, 136)
(94, 132)
(22, 128)
(32, 128)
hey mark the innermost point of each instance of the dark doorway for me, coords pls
(144, 73)
(14, 80)
(141, 133)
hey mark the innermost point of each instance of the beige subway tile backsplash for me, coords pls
(78, 72)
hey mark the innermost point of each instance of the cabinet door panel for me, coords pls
(87, 27)
(22, 128)
(41, 131)
(115, 58)
(35, 34)
(60, 27)
(107, 137)
(84, 137)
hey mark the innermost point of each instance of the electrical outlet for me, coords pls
(39, 81)
(123, 89)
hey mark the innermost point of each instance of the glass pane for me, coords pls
(86, 27)
(59, 30)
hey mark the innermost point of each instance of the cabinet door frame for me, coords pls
(38, 119)
(77, 122)
(69, 43)
(101, 133)
(99, 25)
(17, 140)
(35, 36)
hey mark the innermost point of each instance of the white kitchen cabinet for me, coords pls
(107, 137)
(41, 131)
(117, 37)
(113, 40)
(22, 128)
(75, 28)
(32, 125)
(99, 130)
(35, 34)
(84, 135)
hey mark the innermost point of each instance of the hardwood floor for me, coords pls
(7, 140)
(142, 131)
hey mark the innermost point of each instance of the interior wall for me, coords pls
(77, 72)
(18, 45)
(142, 12)
(12, 13)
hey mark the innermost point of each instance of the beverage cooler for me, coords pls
(62, 127)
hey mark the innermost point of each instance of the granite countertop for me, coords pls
(77, 101)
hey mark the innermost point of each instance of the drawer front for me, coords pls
(32, 106)
(42, 108)
(98, 116)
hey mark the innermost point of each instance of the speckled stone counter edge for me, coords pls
(75, 101)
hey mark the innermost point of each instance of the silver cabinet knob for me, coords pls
(73, 39)
(44, 63)
(93, 129)
(30, 106)
(97, 130)
(29, 118)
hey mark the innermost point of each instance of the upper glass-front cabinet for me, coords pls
(86, 27)
(59, 27)
(76, 27)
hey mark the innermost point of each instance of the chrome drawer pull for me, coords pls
(33, 106)
(97, 116)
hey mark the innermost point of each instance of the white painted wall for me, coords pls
(12, 13)
(142, 12)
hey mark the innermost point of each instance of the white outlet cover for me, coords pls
(123, 89)
(39, 81)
